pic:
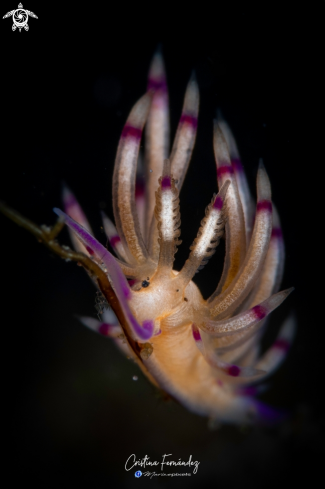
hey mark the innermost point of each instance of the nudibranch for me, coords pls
(203, 353)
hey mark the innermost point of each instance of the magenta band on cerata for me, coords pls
(233, 370)
(166, 182)
(259, 311)
(276, 233)
(114, 239)
(282, 344)
(189, 119)
(196, 333)
(131, 132)
(264, 205)
(237, 164)
(104, 329)
(157, 85)
(139, 187)
(218, 203)
(225, 170)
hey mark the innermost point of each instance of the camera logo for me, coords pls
(138, 474)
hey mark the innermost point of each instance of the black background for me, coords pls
(73, 412)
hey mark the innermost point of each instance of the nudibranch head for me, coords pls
(203, 353)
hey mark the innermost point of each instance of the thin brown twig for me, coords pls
(47, 236)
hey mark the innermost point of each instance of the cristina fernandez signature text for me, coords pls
(145, 461)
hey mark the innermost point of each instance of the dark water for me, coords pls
(74, 414)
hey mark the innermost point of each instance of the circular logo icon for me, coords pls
(138, 473)
(20, 18)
